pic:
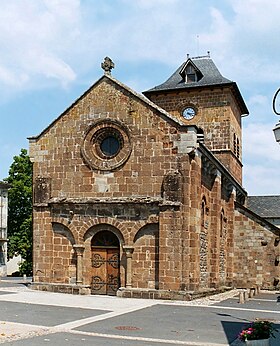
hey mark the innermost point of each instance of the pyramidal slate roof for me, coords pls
(265, 206)
(210, 76)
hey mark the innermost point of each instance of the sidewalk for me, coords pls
(35, 318)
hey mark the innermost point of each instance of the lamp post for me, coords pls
(276, 129)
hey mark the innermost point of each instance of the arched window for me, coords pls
(204, 213)
(221, 223)
(237, 148)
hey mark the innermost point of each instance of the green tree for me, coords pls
(20, 211)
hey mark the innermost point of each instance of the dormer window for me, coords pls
(190, 73)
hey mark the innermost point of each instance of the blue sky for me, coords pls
(51, 51)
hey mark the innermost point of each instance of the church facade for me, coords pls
(141, 195)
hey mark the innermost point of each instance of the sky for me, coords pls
(51, 51)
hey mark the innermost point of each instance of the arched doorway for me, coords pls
(105, 257)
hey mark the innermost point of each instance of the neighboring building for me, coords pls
(267, 207)
(3, 227)
(142, 195)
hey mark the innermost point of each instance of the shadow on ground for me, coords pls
(232, 329)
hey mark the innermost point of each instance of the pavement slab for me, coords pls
(5, 292)
(265, 302)
(179, 323)
(71, 339)
(38, 318)
(43, 315)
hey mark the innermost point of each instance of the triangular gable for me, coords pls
(141, 97)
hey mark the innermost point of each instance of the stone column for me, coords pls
(128, 252)
(79, 268)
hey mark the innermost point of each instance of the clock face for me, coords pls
(189, 113)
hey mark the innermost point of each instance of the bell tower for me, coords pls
(197, 94)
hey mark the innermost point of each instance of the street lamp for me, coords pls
(276, 129)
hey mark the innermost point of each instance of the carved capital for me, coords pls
(79, 249)
(128, 249)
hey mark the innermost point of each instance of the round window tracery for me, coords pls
(108, 142)
(106, 145)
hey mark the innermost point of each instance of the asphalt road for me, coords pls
(30, 317)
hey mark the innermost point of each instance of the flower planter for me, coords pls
(263, 342)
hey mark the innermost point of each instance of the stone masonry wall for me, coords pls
(256, 253)
(60, 168)
(57, 154)
(151, 201)
(217, 114)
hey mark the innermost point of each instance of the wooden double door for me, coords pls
(105, 270)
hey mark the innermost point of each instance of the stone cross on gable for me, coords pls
(107, 65)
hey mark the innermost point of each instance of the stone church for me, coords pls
(140, 195)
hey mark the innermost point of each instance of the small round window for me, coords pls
(110, 146)
(106, 145)
(108, 142)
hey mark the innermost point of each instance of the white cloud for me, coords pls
(57, 42)
(50, 66)
(258, 100)
(218, 34)
(257, 15)
(148, 4)
(35, 37)
(12, 78)
(259, 143)
(261, 179)
(261, 159)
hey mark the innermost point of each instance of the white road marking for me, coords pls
(136, 338)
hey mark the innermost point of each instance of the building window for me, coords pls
(108, 142)
(222, 224)
(236, 148)
(106, 145)
(110, 146)
(204, 214)
(190, 74)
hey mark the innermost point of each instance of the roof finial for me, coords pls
(208, 53)
(188, 55)
(107, 65)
